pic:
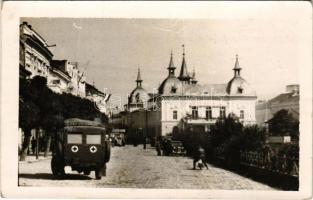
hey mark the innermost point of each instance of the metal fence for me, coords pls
(280, 164)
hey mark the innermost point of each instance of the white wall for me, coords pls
(183, 107)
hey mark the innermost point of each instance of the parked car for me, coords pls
(82, 145)
(178, 148)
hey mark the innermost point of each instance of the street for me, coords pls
(134, 167)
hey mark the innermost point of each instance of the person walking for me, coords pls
(199, 156)
(33, 146)
(158, 146)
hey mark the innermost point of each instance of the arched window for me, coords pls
(173, 89)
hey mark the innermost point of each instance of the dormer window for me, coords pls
(138, 98)
(173, 89)
(240, 90)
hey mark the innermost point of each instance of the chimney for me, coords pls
(293, 88)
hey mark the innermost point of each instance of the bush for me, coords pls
(290, 150)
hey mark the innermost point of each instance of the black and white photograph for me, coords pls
(211, 102)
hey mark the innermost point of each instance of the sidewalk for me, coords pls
(32, 158)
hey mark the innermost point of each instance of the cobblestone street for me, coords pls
(133, 167)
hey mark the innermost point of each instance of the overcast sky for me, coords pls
(109, 51)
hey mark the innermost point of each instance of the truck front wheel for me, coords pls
(107, 151)
(57, 167)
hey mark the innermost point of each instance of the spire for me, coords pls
(193, 79)
(171, 68)
(237, 67)
(184, 76)
(139, 80)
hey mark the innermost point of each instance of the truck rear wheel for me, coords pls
(57, 167)
(98, 174)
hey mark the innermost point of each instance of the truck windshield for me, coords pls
(93, 139)
(74, 138)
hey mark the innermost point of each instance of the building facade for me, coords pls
(181, 101)
(37, 60)
(65, 77)
(289, 100)
(35, 56)
(99, 98)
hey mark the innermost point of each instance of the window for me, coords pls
(242, 114)
(173, 89)
(138, 100)
(93, 139)
(56, 81)
(240, 90)
(175, 114)
(208, 113)
(74, 138)
(194, 112)
(222, 112)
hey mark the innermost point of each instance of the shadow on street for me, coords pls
(51, 177)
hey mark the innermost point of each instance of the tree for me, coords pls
(28, 119)
(253, 138)
(225, 128)
(283, 123)
(44, 109)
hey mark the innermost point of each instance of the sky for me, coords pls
(109, 51)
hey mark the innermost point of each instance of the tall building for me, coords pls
(35, 56)
(66, 77)
(37, 60)
(181, 101)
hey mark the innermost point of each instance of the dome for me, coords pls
(171, 86)
(138, 96)
(238, 86)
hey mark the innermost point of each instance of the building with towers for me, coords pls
(139, 97)
(183, 102)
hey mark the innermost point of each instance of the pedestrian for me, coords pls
(158, 146)
(199, 157)
(33, 146)
(167, 147)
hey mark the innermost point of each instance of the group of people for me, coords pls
(163, 146)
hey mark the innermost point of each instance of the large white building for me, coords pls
(181, 101)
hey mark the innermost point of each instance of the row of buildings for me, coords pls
(62, 76)
(182, 102)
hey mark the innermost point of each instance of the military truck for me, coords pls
(82, 145)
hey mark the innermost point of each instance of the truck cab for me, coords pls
(82, 145)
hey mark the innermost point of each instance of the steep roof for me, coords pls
(92, 89)
(171, 64)
(183, 70)
(285, 98)
(139, 79)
